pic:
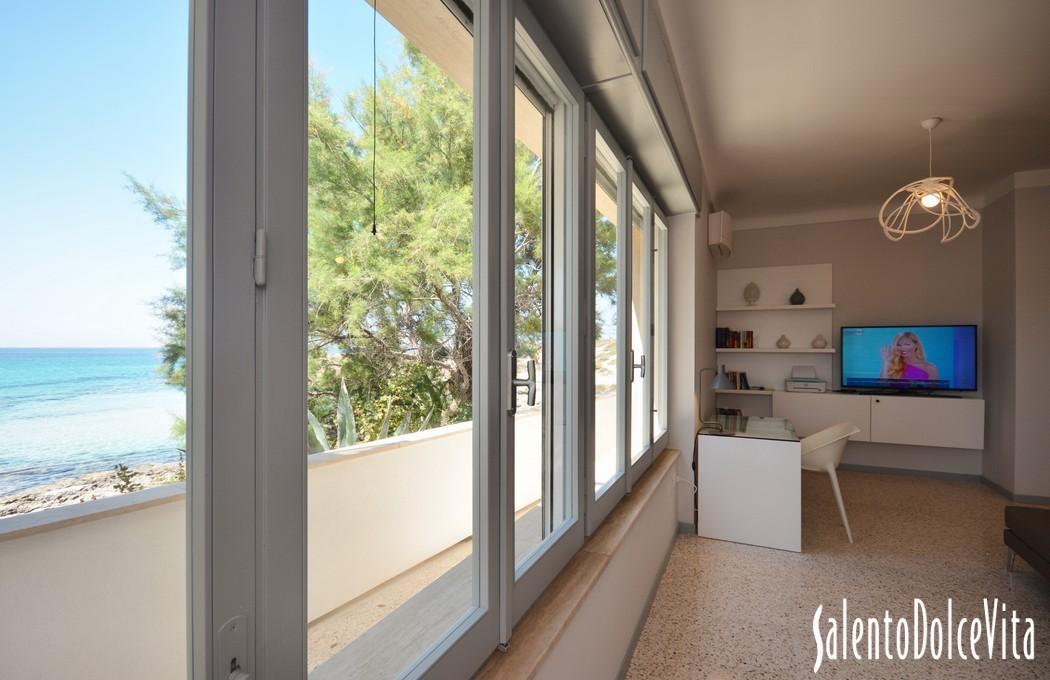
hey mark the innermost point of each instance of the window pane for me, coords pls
(391, 537)
(93, 395)
(532, 487)
(639, 294)
(608, 462)
(660, 330)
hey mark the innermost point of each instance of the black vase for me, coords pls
(797, 298)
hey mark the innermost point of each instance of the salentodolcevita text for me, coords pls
(992, 634)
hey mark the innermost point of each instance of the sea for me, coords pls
(66, 412)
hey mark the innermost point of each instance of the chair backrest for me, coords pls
(825, 448)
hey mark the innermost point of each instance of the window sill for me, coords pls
(543, 624)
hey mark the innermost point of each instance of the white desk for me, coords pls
(749, 483)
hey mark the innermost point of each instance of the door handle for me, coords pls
(640, 366)
(529, 381)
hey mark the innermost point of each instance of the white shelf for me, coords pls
(744, 391)
(774, 350)
(772, 308)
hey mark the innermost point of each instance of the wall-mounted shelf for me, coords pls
(767, 392)
(774, 350)
(772, 308)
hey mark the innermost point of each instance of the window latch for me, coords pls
(639, 366)
(529, 381)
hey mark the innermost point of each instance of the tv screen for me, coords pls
(909, 357)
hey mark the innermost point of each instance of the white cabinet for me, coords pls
(917, 421)
(928, 421)
(811, 413)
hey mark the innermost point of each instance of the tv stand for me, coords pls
(950, 422)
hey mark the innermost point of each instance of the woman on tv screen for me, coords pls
(905, 359)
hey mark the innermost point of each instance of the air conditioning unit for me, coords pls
(720, 233)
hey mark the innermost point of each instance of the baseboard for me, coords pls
(1002, 491)
(935, 474)
(1015, 497)
(953, 476)
(687, 528)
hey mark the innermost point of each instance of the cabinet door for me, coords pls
(811, 413)
(928, 421)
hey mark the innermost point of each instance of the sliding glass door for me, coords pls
(396, 554)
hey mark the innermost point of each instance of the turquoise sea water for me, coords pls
(64, 412)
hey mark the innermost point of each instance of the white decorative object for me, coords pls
(819, 342)
(751, 293)
(935, 198)
(783, 342)
(720, 234)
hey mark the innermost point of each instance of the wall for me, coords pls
(690, 345)
(99, 599)
(999, 340)
(877, 281)
(1032, 299)
(599, 639)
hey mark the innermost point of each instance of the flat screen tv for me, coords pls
(909, 358)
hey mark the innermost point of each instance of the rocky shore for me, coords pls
(88, 487)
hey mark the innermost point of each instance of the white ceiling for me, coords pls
(813, 106)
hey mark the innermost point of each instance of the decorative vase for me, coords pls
(783, 342)
(819, 342)
(752, 293)
(797, 298)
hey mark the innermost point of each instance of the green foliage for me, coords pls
(390, 315)
(316, 438)
(125, 479)
(180, 471)
(604, 268)
(170, 309)
(346, 424)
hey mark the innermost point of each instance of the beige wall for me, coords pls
(597, 642)
(877, 281)
(690, 344)
(999, 343)
(1032, 299)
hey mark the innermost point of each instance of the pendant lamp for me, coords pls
(927, 203)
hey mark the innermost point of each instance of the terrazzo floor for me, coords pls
(725, 610)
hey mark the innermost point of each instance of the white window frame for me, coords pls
(601, 501)
(653, 447)
(660, 292)
(523, 584)
(248, 172)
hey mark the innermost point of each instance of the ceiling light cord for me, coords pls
(930, 134)
(375, 119)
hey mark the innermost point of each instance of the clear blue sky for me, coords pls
(93, 90)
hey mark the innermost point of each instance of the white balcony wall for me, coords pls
(98, 590)
(97, 599)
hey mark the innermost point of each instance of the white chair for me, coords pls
(822, 452)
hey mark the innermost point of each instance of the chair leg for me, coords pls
(838, 499)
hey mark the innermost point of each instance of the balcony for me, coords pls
(380, 559)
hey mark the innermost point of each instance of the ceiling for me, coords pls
(813, 106)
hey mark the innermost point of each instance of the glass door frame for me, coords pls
(247, 339)
(652, 447)
(522, 585)
(599, 505)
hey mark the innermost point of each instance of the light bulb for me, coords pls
(931, 200)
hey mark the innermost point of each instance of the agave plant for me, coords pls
(316, 439)
(346, 425)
